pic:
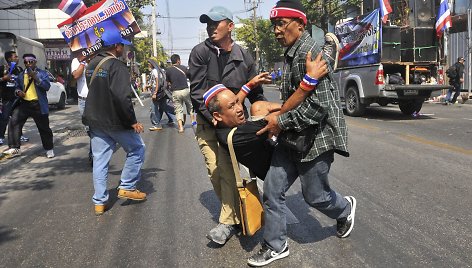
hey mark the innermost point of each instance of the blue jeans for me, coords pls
(81, 104)
(158, 108)
(103, 145)
(315, 189)
(456, 90)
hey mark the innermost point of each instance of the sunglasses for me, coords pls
(29, 61)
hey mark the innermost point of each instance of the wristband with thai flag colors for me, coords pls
(306, 87)
(310, 80)
(212, 92)
(247, 88)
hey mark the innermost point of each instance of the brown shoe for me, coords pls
(100, 209)
(131, 194)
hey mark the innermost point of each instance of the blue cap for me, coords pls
(111, 37)
(216, 14)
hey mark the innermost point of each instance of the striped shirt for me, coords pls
(321, 110)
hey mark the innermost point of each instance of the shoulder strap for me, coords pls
(237, 174)
(180, 70)
(98, 67)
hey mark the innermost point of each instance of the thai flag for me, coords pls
(443, 21)
(385, 9)
(73, 8)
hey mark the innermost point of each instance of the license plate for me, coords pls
(410, 92)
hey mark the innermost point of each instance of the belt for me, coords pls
(82, 98)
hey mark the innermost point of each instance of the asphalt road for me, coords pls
(411, 177)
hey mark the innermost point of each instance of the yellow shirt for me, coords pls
(31, 94)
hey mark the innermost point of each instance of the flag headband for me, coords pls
(285, 12)
(211, 93)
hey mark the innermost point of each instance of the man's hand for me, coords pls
(138, 127)
(272, 125)
(6, 77)
(316, 68)
(20, 94)
(262, 78)
(154, 97)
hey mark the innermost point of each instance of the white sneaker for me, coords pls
(50, 154)
(12, 152)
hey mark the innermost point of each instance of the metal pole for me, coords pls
(154, 30)
(469, 47)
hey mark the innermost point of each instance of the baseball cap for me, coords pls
(460, 58)
(217, 13)
(111, 37)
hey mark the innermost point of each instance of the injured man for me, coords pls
(253, 144)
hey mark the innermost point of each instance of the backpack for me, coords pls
(452, 72)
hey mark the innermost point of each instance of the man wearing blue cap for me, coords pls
(109, 113)
(218, 60)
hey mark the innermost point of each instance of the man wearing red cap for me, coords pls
(319, 121)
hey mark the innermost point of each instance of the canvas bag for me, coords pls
(250, 206)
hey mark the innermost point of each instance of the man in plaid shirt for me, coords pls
(319, 115)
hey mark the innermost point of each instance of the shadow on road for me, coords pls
(7, 234)
(384, 114)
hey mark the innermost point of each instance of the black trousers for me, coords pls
(5, 117)
(20, 114)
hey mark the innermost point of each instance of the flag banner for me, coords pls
(359, 39)
(73, 8)
(83, 34)
(385, 9)
(443, 21)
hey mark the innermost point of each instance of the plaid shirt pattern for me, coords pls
(321, 110)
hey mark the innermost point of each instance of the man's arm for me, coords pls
(120, 87)
(78, 68)
(42, 80)
(198, 84)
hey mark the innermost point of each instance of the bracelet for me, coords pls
(310, 80)
(83, 63)
(306, 87)
(246, 88)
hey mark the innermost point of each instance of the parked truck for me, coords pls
(22, 45)
(393, 62)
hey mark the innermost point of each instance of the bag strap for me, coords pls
(180, 70)
(237, 174)
(98, 67)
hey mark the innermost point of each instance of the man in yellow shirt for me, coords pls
(33, 84)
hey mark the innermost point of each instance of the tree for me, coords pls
(321, 13)
(270, 51)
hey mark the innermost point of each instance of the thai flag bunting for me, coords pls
(443, 21)
(385, 9)
(73, 8)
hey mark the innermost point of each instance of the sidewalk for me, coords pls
(64, 123)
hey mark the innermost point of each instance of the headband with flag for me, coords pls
(385, 9)
(211, 93)
(285, 12)
(443, 21)
(73, 8)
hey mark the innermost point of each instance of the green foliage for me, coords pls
(321, 12)
(143, 48)
(270, 51)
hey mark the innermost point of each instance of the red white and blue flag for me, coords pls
(443, 21)
(73, 8)
(385, 9)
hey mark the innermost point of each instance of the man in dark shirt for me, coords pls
(456, 81)
(8, 76)
(176, 76)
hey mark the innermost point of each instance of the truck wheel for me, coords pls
(354, 107)
(62, 102)
(408, 107)
(383, 102)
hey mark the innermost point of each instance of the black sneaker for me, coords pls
(331, 49)
(267, 255)
(344, 226)
(222, 233)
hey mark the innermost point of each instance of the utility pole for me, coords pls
(469, 47)
(255, 3)
(154, 29)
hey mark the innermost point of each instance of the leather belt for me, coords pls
(82, 98)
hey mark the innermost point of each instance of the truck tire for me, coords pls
(383, 102)
(354, 107)
(408, 107)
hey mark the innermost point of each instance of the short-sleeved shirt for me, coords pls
(177, 76)
(82, 88)
(7, 88)
(253, 151)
